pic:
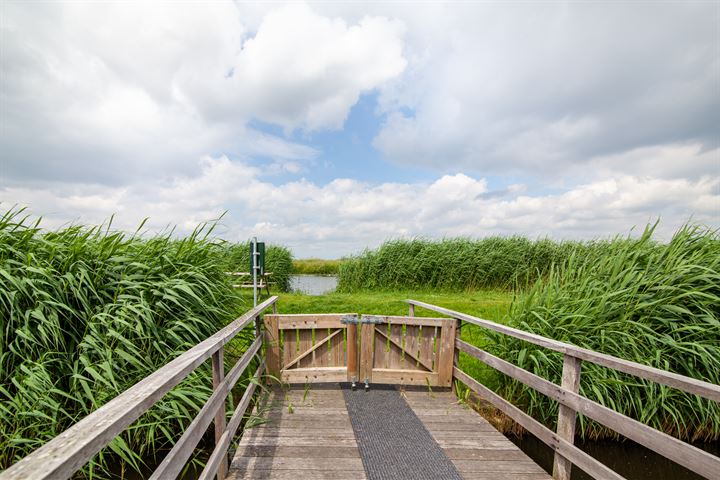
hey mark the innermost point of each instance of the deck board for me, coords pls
(308, 434)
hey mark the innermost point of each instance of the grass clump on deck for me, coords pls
(655, 304)
(457, 264)
(85, 314)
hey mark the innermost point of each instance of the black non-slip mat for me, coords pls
(393, 442)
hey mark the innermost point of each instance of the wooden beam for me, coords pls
(352, 352)
(367, 339)
(584, 461)
(219, 454)
(65, 454)
(446, 353)
(398, 345)
(692, 458)
(272, 345)
(174, 462)
(311, 349)
(681, 382)
(567, 417)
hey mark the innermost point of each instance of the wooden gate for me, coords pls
(407, 350)
(312, 348)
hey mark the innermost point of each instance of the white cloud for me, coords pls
(345, 215)
(112, 92)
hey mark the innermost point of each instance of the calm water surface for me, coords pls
(313, 284)
(629, 459)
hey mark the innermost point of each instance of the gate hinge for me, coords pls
(349, 319)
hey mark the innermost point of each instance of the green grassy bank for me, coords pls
(316, 266)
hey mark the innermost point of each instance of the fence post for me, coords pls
(456, 353)
(412, 310)
(272, 337)
(218, 375)
(567, 416)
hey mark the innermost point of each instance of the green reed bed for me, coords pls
(316, 266)
(85, 313)
(278, 261)
(654, 303)
(456, 264)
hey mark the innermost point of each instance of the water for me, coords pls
(313, 284)
(627, 458)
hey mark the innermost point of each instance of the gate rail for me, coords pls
(62, 456)
(571, 402)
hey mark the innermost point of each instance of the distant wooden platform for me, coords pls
(316, 440)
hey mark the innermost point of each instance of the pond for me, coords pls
(313, 284)
(629, 459)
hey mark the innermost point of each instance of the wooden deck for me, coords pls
(309, 436)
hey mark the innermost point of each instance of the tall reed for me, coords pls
(86, 313)
(454, 264)
(653, 303)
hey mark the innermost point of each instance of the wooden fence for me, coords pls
(572, 403)
(62, 456)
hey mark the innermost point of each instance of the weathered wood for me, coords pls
(692, 458)
(367, 338)
(686, 384)
(412, 310)
(315, 320)
(400, 320)
(446, 354)
(66, 453)
(456, 352)
(399, 345)
(567, 417)
(218, 375)
(317, 345)
(173, 463)
(314, 374)
(550, 438)
(404, 377)
(272, 340)
(219, 454)
(352, 353)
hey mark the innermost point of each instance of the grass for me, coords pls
(656, 304)
(85, 313)
(316, 266)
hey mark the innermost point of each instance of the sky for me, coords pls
(331, 127)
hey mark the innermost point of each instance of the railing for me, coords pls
(572, 403)
(61, 457)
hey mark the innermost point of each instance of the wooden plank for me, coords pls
(65, 454)
(393, 341)
(692, 458)
(337, 351)
(315, 374)
(290, 346)
(300, 442)
(289, 452)
(218, 375)
(319, 342)
(272, 359)
(411, 347)
(353, 359)
(446, 354)
(316, 320)
(681, 382)
(426, 341)
(258, 474)
(397, 357)
(367, 338)
(297, 464)
(498, 466)
(404, 377)
(411, 320)
(304, 343)
(562, 467)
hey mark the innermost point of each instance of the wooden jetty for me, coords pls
(308, 432)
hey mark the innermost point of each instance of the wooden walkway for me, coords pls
(308, 435)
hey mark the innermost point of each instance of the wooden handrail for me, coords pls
(571, 402)
(682, 453)
(681, 382)
(62, 456)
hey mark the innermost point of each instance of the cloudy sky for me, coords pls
(331, 126)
